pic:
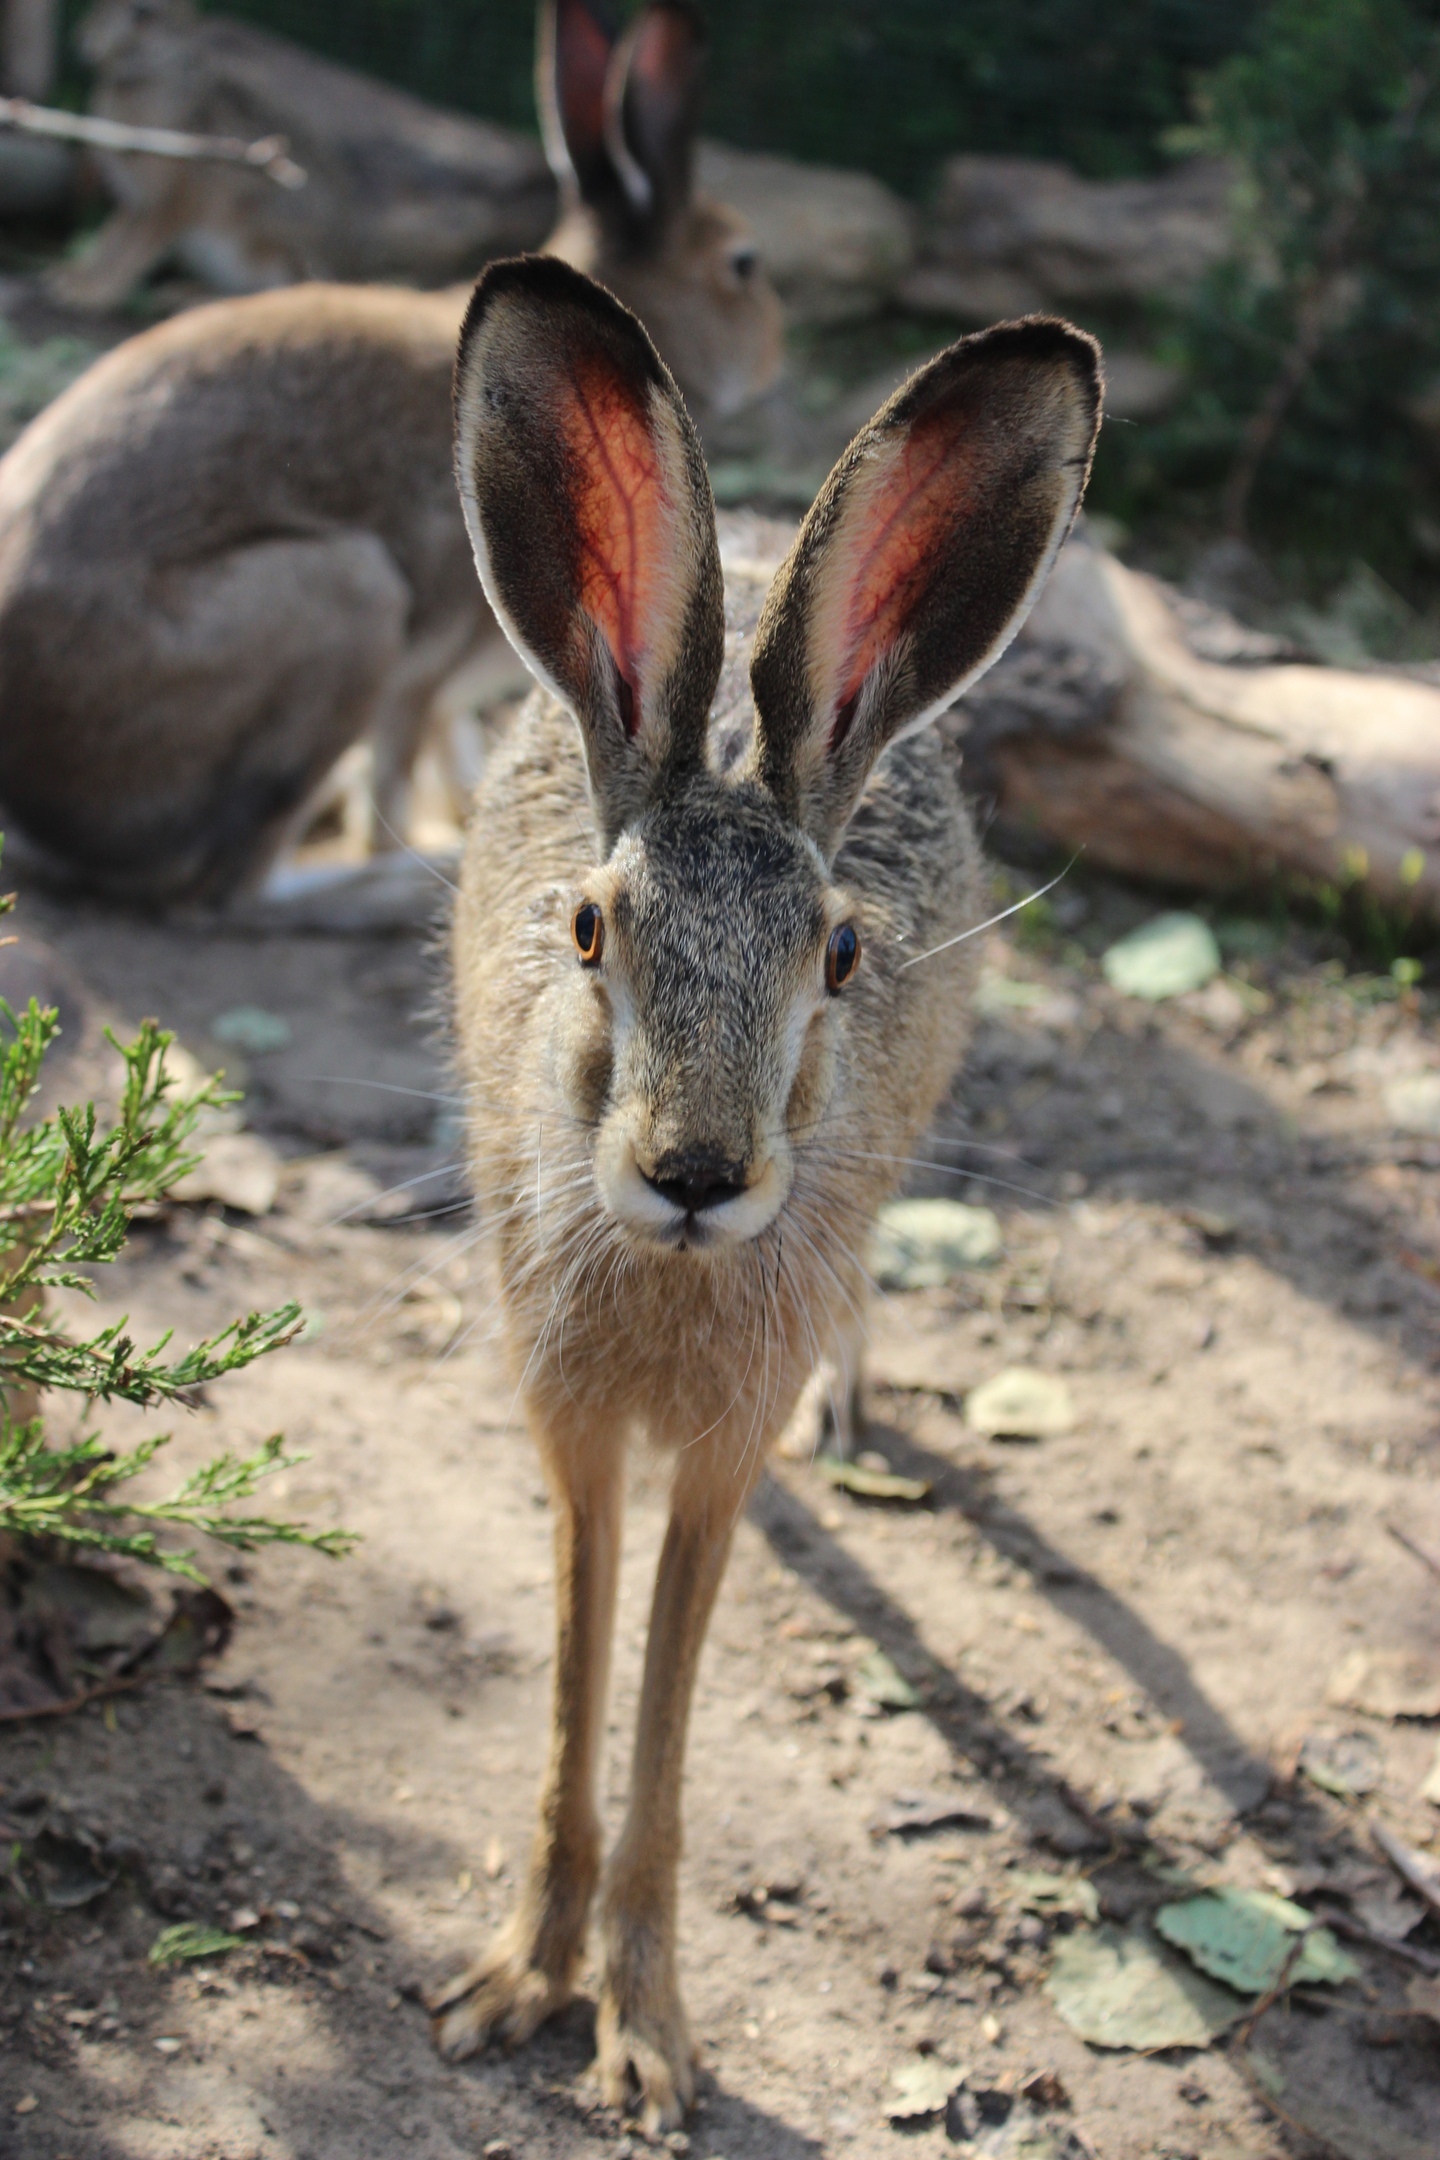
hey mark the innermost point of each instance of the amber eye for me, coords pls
(842, 957)
(588, 931)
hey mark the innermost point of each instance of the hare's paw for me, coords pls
(642, 2040)
(505, 1996)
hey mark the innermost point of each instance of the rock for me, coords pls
(924, 1244)
(1430, 1787)
(1020, 1404)
(835, 243)
(238, 1170)
(1412, 1103)
(1164, 958)
(252, 1029)
(1005, 236)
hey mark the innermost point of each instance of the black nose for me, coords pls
(696, 1182)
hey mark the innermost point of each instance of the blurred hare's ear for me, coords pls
(574, 45)
(585, 494)
(652, 110)
(920, 559)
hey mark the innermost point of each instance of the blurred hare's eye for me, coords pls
(588, 931)
(745, 261)
(842, 957)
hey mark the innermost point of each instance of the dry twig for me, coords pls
(268, 155)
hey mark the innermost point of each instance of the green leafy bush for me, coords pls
(1313, 355)
(69, 1186)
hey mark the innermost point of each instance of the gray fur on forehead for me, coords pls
(711, 875)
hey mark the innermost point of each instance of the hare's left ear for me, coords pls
(920, 559)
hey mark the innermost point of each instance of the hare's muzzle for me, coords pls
(697, 1198)
(697, 1181)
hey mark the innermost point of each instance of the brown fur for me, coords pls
(680, 1148)
(233, 548)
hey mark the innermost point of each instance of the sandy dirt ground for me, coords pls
(1118, 1639)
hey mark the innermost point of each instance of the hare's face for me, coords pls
(710, 308)
(703, 1018)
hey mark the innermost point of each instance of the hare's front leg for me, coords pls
(641, 2026)
(529, 1970)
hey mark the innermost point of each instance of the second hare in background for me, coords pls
(711, 985)
(233, 547)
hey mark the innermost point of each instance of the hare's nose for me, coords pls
(696, 1181)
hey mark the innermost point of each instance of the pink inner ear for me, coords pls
(904, 513)
(582, 60)
(622, 519)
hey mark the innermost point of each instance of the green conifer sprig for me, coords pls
(70, 1185)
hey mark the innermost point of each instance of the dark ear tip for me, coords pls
(1036, 340)
(549, 286)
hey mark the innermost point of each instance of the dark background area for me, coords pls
(890, 85)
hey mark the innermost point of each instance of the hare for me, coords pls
(710, 985)
(234, 547)
(395, 188)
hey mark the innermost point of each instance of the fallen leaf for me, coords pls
(63, 1872)
(188, 1939)
(867, 1484)
(1122, 1991)
(1349, 1765)
(1046, 2089)
(1041, 1892)
(921, 2089)
(1387, 1684)
(881, 1682)
(1387, 1910)
(1245, 1937)
(1000, 997)
(27, 2105)
(1164, 958)
(1422, 1995)
(1020, 1404)
(912, 1815)
(924, 1244)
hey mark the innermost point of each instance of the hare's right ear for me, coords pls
(922, 556)
(589, 510)
(574, 44)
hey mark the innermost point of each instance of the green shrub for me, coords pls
(69, 1186)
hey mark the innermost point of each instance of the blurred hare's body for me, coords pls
(710, 985)
(233, 547)
(227, 551)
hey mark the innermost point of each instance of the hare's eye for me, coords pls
(842, 957)
(745, 261)
(588, 931)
